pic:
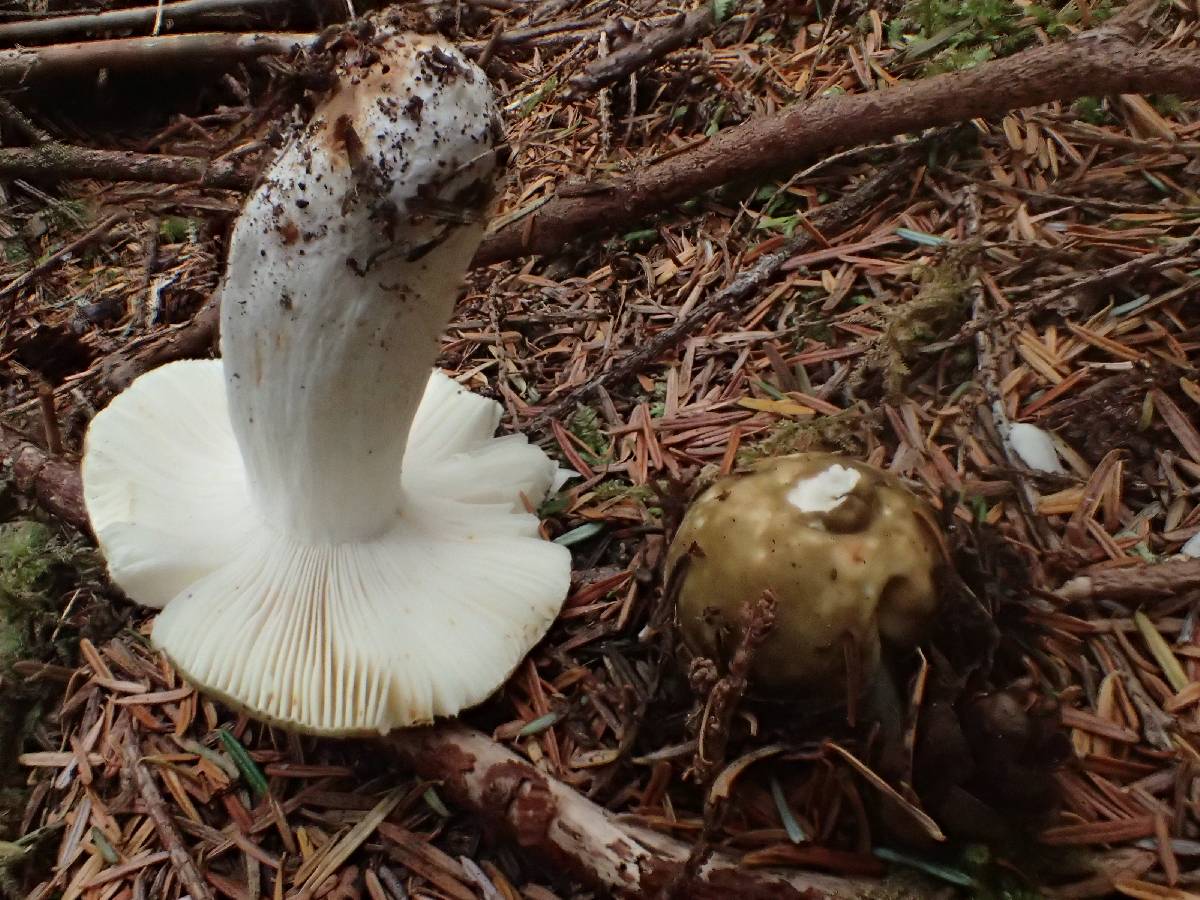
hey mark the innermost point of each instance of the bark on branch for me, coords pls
(555, 822)
(57, 160)
(1105, 61)
(53, 483)
(139, 16)
(25, 65)
(1137, 583)
(642, 50)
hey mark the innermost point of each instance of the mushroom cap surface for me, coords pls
(847, 550)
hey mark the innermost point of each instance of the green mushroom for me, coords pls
(850, 554)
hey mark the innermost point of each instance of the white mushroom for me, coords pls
(338, 542)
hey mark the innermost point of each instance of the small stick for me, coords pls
(45, 395)
(57, 160)
(989, 344)
(1140, 583)
(758, 619)
(489, 49)
(181, 860)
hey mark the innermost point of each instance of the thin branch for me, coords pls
(25, 65)
(832, 218)
(134, 17)
(643, 49)
(181, 860)
(1137, 583)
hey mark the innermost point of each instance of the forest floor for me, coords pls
(1041, 267)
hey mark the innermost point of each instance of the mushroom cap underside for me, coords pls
(423, 620)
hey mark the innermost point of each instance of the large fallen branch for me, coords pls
(552, 820)
(56, 160)
(1106, 60)
(24, 65)
(138, 16)
(53, 482)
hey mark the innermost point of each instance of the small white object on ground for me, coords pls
(1035, 448)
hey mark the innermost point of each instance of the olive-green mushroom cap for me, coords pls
(849, 552)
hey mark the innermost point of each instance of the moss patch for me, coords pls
(38, 566)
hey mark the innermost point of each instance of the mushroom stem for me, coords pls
(313, 368)
(337, 289)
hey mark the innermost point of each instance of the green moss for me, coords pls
(585, 424)
(1092, 110)
(68, 215)
(618, 488)
(15, 251)
(959, 34)
(940, 305)
(177, 229)
(840, 432)
(38, 565)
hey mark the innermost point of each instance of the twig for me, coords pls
(987, 365)
(1138, 583)
(8, 293)
(758, 619)
(644, 49)
(185, 866)
(1051, 290)
(549, 818)
(53, 434)
(1106, 60)
(61, 26)
(831, 218)
(25, 65)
